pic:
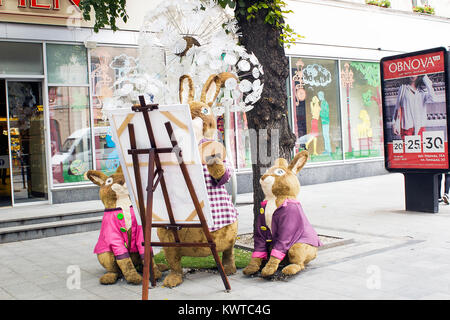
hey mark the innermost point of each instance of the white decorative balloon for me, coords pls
(236, 94)
(254, 59)
(230, 59)
(179, 46)
(231, 83)
(244, 65)
(226, 101)
(255, 73)
(245, 86)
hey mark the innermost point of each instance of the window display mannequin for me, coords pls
(325, 117)
(314, 131)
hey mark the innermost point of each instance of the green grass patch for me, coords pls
(242, 259)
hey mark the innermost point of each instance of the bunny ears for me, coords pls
(296, 164)
(210, 90)
(190, 84)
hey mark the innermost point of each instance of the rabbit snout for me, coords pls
(277, 185)
(119, 185)
(267, 182)
(120, 188)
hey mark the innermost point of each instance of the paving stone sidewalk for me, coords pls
(395, 255)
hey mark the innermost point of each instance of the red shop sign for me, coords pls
(414, 65)
(43, 4)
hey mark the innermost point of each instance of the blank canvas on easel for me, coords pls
(180, 118)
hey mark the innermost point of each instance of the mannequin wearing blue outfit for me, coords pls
(325, 117)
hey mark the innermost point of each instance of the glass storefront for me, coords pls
(23, 166)
(315, 112)
(69, 112)
(18, 58)
(334, 107)
(67, 64)
(70, 133)
(27, 141)
(107, 65)
(80, 134)
(5, 169)
(362, 113)
(244, 160)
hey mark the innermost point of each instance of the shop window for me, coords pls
(315, 108)
(21, 58)
(361, 109)
(108, 64)
(70, 133)
(243, 139)
(232, 136)
(67, 64)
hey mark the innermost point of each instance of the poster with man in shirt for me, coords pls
(415, 110)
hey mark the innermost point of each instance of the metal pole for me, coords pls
(229, 153)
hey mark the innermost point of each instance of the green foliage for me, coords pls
(379, 3)
(242, 259)
(274, 11)
(229, 3)
(106, 12)
(370, 71)
(425, 9)
(367, 98)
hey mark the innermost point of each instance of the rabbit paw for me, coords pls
(162, 267)
(173, 279)
(253, 266)
(229, 269)
(216, 168)
(109, 278)
(129, 271)
(270, 267)
(158, 273)
(134, 278)
(292, 269)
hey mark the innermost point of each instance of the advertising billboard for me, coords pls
(415, 112)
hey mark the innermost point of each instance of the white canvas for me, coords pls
(180, 118)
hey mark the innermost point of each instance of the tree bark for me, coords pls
(270, 112)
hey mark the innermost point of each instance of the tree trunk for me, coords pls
(270, 112)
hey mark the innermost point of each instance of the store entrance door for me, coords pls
(5, 182)
(26, 141)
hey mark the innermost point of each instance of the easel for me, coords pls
(146, 212)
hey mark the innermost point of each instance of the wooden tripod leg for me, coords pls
(198, 207)
(220, 266)
(137, 174)
(148, 229)
(147, 263)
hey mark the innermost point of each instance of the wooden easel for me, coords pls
(145, 211)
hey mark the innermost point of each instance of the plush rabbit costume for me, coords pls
(216, 173)
(119, 248)
(282, 228)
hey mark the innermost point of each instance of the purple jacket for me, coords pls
(290, 226)
(114, 236)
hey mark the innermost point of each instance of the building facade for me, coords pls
(55, 72)
(334, 89)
